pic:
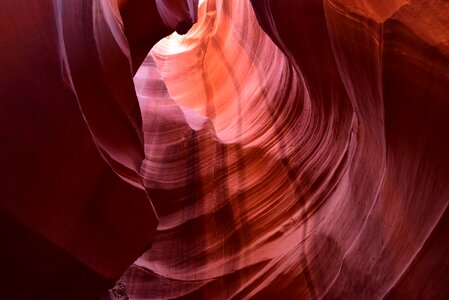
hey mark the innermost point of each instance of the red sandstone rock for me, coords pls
(292, 148)
(304, 173)
(74, 212)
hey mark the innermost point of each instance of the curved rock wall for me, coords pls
(304, 161)
(74, 212)
(293, 148)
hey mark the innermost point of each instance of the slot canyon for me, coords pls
(224, 149)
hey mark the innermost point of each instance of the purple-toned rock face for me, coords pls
(268, 148)
(178, 14)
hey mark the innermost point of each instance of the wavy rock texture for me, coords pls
(74, 211)
(309, 161)
(294, 148)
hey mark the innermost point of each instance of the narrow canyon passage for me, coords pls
(225, 149)
(274, 179)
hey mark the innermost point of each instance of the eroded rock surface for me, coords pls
(292, 148)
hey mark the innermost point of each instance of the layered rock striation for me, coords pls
(291, 148)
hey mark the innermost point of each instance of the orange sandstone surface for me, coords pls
(224, 149)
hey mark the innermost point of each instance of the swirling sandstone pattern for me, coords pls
(293, 148)
(317, 170)
(74, 211)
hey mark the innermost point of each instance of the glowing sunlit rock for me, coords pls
(296, 166)
(282, 148)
